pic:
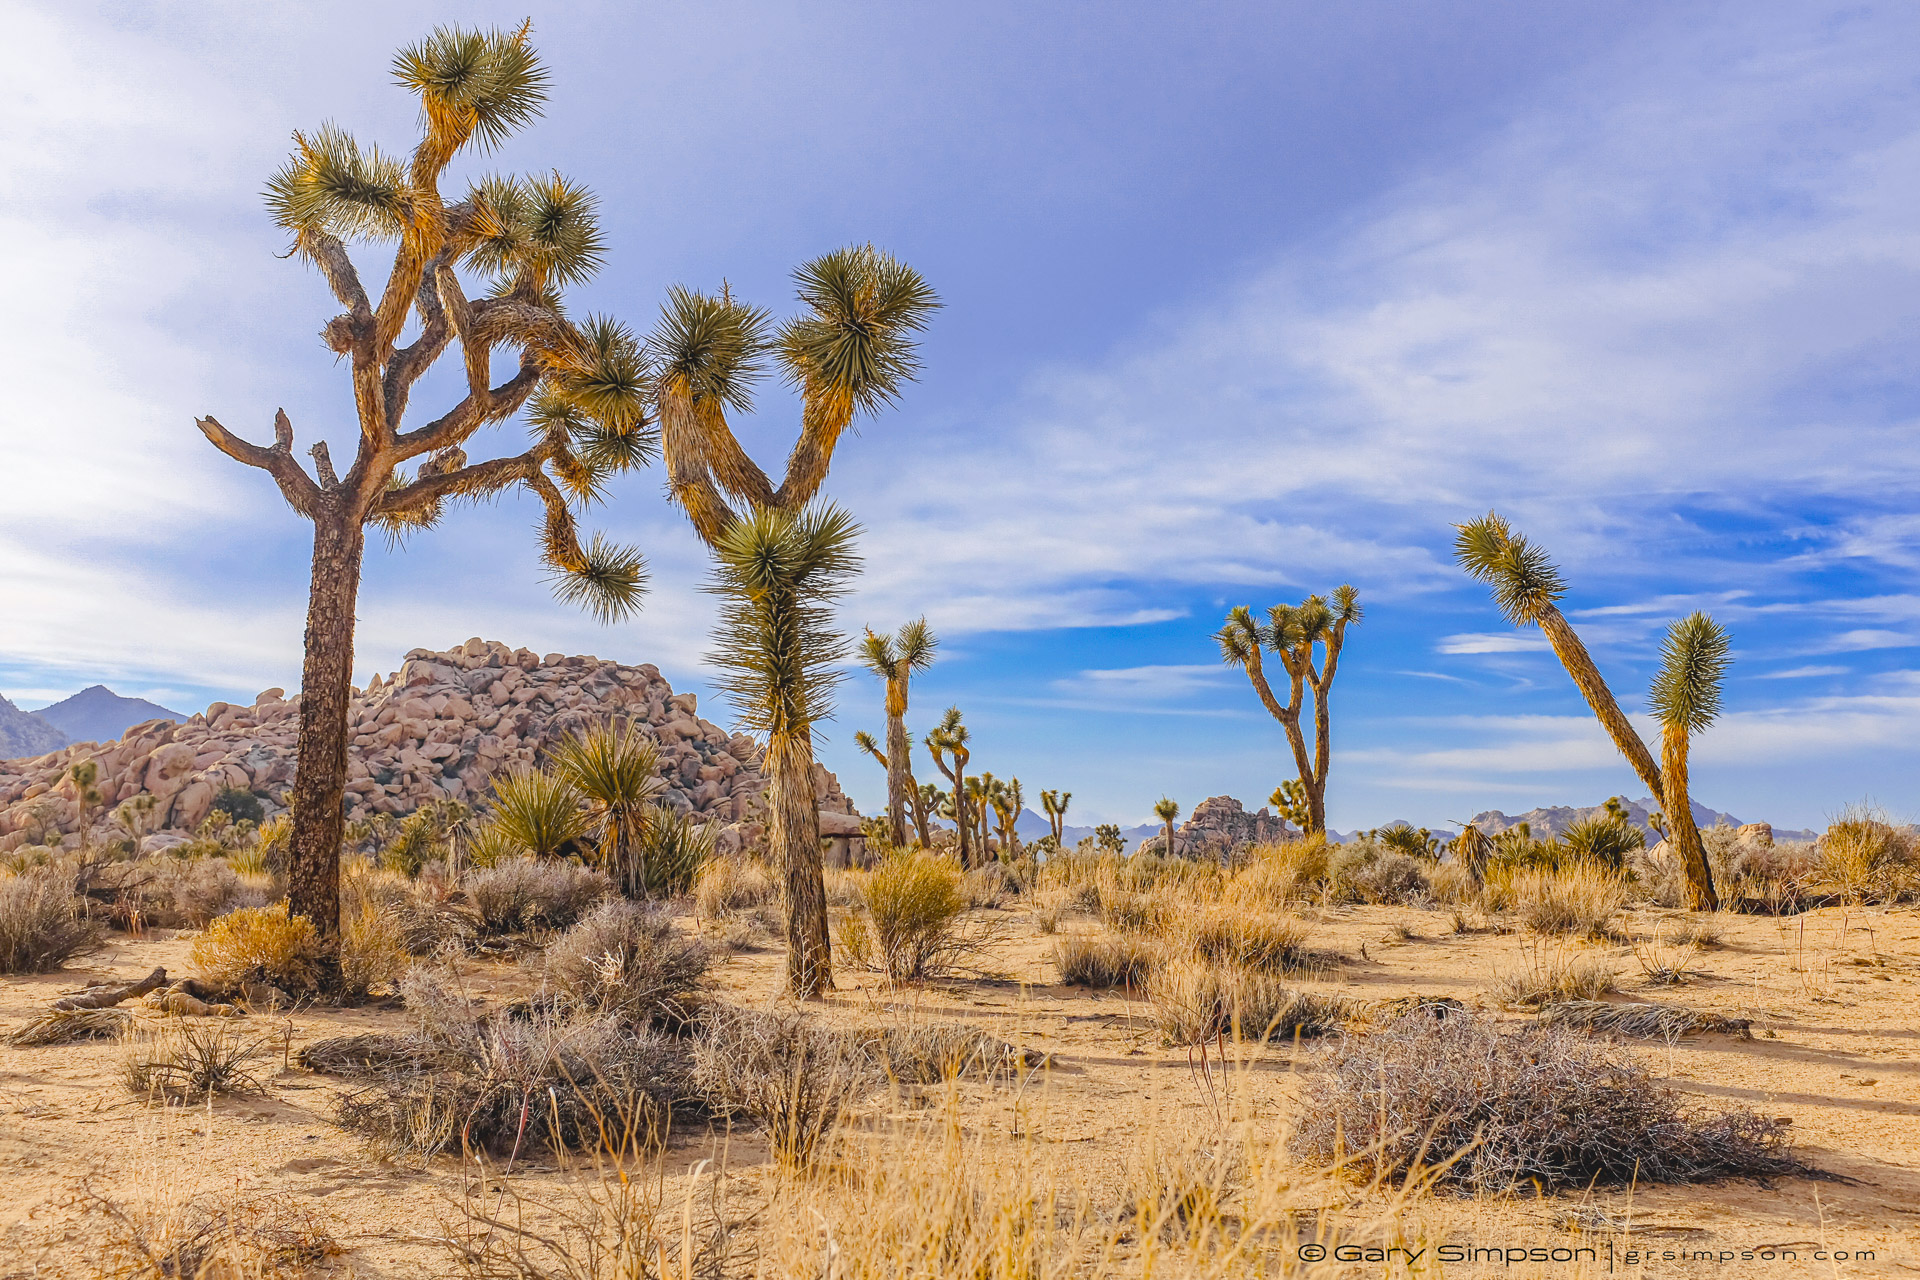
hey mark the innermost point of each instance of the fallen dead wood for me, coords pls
(67, 1026)
(105, 997)
(1642, 1021)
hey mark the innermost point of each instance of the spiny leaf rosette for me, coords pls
(472, 275)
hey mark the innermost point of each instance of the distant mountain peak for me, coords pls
(98, 714)
(24, 734)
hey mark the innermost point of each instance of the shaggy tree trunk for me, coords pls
(326, 683)
(793, 837)
(922, 820)
(899, 775)
(962, 819)
(1586, 676)
(1681, 831)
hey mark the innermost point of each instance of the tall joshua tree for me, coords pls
(527, 240)
(778, 576)
(1307, 638)
(949, 738)
(1527, 587)
(1686, 699)
(1167, 810)
(851, 351)
(894, 659)
(927, 800)
(1009, 801)
(1054, 803)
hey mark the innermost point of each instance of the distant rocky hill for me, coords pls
(441, 727)
(24, 734)
(98, 714)
(1550, 822)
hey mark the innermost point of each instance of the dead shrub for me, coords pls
(41, 921)
(935, 1052)
(1366, 871)
(626, 959)
(1109, 960)
(1124, 911)
(69, 1026)
(1277, 874)
(782, 1070)
(1254, 940)
(184, 1059)
(1865, 858)
(1545, 978)
(1195, 1001)
(1578, 899)
(1493, 1111)
(197, 892)
(1453, 884)
(259, 944)
(213, 1237)
(727, 885)
(525, 895)
(373, 948)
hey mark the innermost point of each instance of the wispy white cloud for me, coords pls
(1863, 638)
(1802, 673)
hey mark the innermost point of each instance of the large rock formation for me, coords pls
(23, 734)
(98, 714)
(441, 727)
(1220, 825)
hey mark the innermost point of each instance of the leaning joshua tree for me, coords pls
(778, 576)
(1527, 587)
(1293, 632)
(894, 659)
(949, 738)
(1685, 698)
(520, 243)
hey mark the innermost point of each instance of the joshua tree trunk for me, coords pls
(1682, 833)
(793, 836)
(326, 682)
(922, 820)
(900, 784)
(1586, 676)
(1169, 830)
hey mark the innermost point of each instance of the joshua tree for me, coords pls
(1686, 699)
(894, 658)
(981, 789)
(1055, 804)
(1107, 838)
(1009, 802)
(949, 738)
(136, 815)
(86, 797)
(1293, 632)
(927, 800)
(617, 772)
(1289, 800)
(1527, 586)
(1167, 810)
(779, 575)
(528, 239)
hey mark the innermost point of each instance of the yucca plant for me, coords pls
(894, 659)
(616, 772)
(1307, 638)
(950, 738)
(671, 850)
(1167, 810)
(1686, 699)
(778, 576)
(1054, 804)
(1607, 839)
(526, 240)
(1527, 586)
(537, 813)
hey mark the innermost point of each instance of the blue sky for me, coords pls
(1242, 301)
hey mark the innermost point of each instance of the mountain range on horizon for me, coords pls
(95, 714)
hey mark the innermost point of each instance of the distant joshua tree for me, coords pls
(1009, 802)
(1167, 810)
(1054, 803)
(528, 239)
(1527, 586)
(1107, 838)
(1293, 633)
(894, 659)
(949, 738)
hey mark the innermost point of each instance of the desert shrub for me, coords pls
(1047, 908)
(259, 944)
(185, 1058)
(1084, 898)
(1253, 940)
(195, 893)
(41, 921)
(1125, 911)
(726, 885)
(521, 895)
(1452, 883)
(1196, 1000)
(1579, 899)
(270, 848)
(496, 1083)
(1106, 960)
(1492, 1111)
(783, 1070)
(373, 947)
(1367, 871)
(626, 959)
(914, 904)
(212, 1237)
(427, 911)
(1605, 839)
(935, 1052)
(1546, 978)
(989, 885)
(670, 852)
(240, 805)
(1277, 874)
(1865, 858)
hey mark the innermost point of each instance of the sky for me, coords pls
(1241, 302)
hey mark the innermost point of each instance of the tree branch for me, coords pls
(410, 362)
(295, 485)
(469, 415)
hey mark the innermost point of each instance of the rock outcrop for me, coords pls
(1220, 825)
(440, 728)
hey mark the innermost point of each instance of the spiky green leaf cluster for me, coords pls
(718, 346)
(777, 575)
(541, 233)
(482, 85)
(330, 185)
(609, 584)
(1524, 579)
(615, 769)
(865, 306)
(535, 812)
(1693, 661)
(912, 649)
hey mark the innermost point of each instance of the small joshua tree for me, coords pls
(894, 659)
(1686, 699)
(1107, 838)
(949, 738)
(1009, 802)
(1054, 803)
(529, 240)
(86, 797)
(1307, 638)
(1289, 800)
(1167, 810)
(1527, 587)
